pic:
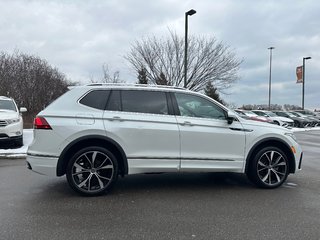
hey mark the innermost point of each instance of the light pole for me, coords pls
(189, 13)
(269, 106)
(303, 79)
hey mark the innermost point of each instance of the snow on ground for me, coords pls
(19, 152)
(28, 137)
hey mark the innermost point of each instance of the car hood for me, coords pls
(4, 114)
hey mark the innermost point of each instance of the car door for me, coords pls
(140, 121)
(207, 140)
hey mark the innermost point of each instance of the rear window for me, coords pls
(96, 99)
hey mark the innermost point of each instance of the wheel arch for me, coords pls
(92, 140)
(276, 142)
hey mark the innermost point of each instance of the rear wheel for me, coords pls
(269, 168)
(92, 171)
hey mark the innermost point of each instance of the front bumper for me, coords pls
(5, 139)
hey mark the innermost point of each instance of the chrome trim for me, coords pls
(41, 155)
(186, 158)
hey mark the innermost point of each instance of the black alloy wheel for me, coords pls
(92, 171)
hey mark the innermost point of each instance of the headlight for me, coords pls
(15, 120)
(289, 134)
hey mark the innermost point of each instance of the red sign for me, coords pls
(299, 72)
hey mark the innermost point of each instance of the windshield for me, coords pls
(290, 114)
(7, 105)
(271, 114)
(261, 114)
(251, 114)
(296, 114)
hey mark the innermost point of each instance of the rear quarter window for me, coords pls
(96, 99)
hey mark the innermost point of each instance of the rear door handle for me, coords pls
(187, 123)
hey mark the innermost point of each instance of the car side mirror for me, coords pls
(23, 109)
(231, 116)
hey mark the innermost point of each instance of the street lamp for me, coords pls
(189, 13)
(270, 48)
(303, 79)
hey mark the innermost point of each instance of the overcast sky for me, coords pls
(79, 36)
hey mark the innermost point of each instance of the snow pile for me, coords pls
(19, 152)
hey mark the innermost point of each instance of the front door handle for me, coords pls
(116, 118)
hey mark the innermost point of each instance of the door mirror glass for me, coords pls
(23, 109)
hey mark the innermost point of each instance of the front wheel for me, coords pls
(92, 171)
(269, 168)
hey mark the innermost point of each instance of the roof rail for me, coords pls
(135, 85)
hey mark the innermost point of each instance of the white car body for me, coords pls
(11, 122)
(152, 142)
(281, 121)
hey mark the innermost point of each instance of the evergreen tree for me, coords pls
(212, 92)
(142, 76)
(161, 80)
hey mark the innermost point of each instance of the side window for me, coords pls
(143, 101)
(114, 103)
(96, 99)
(195, 106)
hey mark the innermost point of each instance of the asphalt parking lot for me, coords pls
(163, 206)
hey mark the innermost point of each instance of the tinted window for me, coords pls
(144, 101)
(96, 99)
(195, 106)
(114, 103)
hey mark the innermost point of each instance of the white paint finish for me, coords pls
(152, 142)
(144, 135)
(43, 165)
(152, 165)
(210, 139)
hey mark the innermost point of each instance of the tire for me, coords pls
(269, 168)
(276, 122)
(92, 171)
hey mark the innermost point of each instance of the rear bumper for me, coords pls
(45, 165)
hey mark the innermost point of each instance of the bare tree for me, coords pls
(290, 107)
(108, 77)
(31, 81)
(261, 107)
(208, 61)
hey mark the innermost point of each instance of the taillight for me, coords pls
(41, 123)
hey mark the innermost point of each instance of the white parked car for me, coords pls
(11, 122)
(95, 133)
(281, 121)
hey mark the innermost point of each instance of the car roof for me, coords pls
(5, 98)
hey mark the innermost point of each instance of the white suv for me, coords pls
(95, 133)
(11, 123)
